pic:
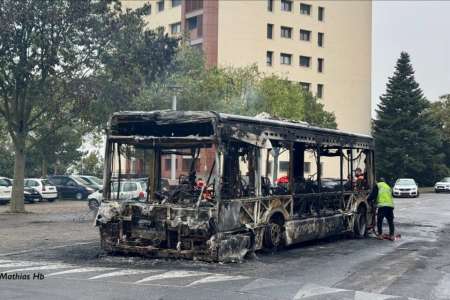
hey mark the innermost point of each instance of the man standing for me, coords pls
(382, 192)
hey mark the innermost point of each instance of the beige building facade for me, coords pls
(323, 45)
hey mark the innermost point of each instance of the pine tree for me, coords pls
(406, 140)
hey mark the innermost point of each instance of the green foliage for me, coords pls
(91, 164)
(65, 60)
(285, 99)
(406, 138)
(6, 150)
(243, 91)
(440, 112)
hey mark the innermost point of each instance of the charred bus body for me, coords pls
(224, 205)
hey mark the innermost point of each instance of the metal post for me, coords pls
(173, 157)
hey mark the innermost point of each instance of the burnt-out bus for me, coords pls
(221, 186)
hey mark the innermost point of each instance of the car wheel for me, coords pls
(360, 224)
(51, 199)
(93, 204)
(79, 196)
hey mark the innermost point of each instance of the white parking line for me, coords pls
(49, 248)
(310, 290)
(20, 264)
(217, 278)
(39, 268)
(124, 273)
(81, 270)
(173, 274)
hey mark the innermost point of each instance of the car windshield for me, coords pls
(446, 179)
(94, 179)
(406, 182)
(81, 180)
(3, 182)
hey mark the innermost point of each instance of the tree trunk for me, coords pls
(17, 203)
(44, 168)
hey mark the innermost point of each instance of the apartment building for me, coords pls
(324, 46)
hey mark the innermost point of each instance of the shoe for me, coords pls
(391, 238)
(379, 237)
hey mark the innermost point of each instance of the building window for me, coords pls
(269, 58)
(305, 9)
(186, 164)
(307, 167)
(269, 31)
(285, 59)
(176, 3)
(161, 5)
(270, 5)
(320, 39)
(149, 9)
(168, 164)
(305, 86)
(286, 5)
(319, 93)
(305, 61)
(305, 35)
(193, 5)
(320, 65)
(321, 13)
(175, 28)
(192, 23)
(286, 32)
(284, 166)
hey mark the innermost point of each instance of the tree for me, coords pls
(406, 138)
(283, 98)
(61, 59)
(440, 111)
(239, 90)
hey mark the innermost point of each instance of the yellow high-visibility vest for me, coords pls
(384, 195)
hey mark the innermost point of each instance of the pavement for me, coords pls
(54, 253)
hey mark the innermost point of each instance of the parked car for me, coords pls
(31, 195)
(5, 190)
(405, 187)
(129, 190)
(71, 187)
(443, 185)
(91, 181)
(46, 190)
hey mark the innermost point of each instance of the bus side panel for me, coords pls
(229, 216)
(313, 228)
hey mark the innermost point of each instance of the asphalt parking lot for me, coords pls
(59, 241)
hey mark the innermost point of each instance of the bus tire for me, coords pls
(273, 235)
(360, 225)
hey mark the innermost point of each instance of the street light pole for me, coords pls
(173, 157)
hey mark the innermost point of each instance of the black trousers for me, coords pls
(388, 213)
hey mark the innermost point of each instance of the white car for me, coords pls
(405, 187)
(443, 185)
(129, 190)
(5, 190)
(43, 187)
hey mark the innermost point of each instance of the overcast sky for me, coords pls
(422, 28)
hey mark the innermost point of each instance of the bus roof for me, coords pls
(204, 124)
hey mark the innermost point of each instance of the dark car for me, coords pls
(31, 195)
(71, 187)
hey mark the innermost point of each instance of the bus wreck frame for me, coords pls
(233, 223)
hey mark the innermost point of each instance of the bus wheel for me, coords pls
(273, 235)
(360, 225)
